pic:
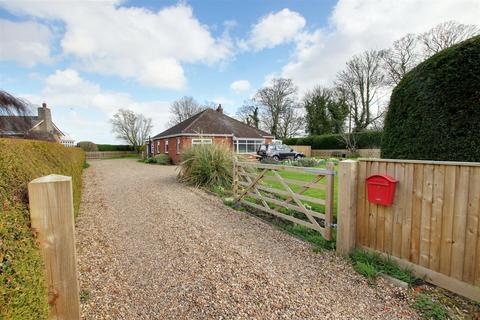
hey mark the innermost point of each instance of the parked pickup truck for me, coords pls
(278, 152)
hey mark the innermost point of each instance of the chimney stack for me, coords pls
(220, 109)
(45, 114)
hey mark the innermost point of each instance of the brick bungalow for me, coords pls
(207, 127)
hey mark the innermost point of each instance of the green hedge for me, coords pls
(114, 147)
(365, 140)
(22, 284)
(434, 111)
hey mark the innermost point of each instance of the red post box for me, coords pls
(381, 189)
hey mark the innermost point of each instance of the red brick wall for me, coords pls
(186, 142)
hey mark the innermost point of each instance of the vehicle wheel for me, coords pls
(276, 158)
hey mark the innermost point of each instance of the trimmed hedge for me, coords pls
(23, 294)
(87, 146)
(114, 147)
(365, 140)
(434, 111)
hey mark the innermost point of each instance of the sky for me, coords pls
(86, 60)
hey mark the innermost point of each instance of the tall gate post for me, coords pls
(52, 218)
(347, 205)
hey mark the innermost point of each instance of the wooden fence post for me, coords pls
(52, 218)
(347, 205)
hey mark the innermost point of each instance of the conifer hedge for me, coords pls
(434, 111)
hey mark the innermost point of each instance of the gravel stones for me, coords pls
(149, 247)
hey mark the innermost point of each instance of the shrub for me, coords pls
(24, 295)
(87, 146)
(305, 162)
(434, 111)
(207, 166)
(429, 308)
(365, 140)
(149, 160)
(162, 159)
(114, 147)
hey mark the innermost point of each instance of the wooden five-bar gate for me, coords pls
(305, 199)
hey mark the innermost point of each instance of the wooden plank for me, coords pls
(346, 215)
(436, 219)
(285, 168)
(426, 215)
(251, 184)
(416, 213)
(398, 209)
(424, 162)
(329, 202)
(285, 204)
(388, 215)
(52, 219)
(362, 215)
(284, 216)
(472, 226)
(459, 223)
(285, 193)
(314, 181)
(380, 242)
(298, 202)
(447, 218)
(407, 215)
(436, 278)
(372, 223)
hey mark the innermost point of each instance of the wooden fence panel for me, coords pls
(107, 154)
(433, 224)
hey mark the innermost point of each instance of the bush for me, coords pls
(22, 281)
(305, 162)
(149, 160)
(207, 166)
(87, 146)
(365, 140)
(114, 147)
(162, 159)
(434, 111)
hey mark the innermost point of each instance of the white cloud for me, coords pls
(25, 42)
(130, 42)
(240, 86)
(274, 29)
(358, 25)
(70, 96)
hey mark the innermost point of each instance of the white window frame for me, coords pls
(246, 141)
(178, 145)
(200, 141)
(166, 146)
(158, 147)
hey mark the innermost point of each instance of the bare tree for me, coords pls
(184, 108)
(445, 35)
(278, 105)
(249, 114)
(292, 122)
(131, 127)
(401, 58)
(360, 86)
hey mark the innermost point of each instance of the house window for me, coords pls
(166, 146)
(158, 146)
(178, 146)
(201, 141)
(247, 145)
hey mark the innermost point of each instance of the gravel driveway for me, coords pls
(151, 248)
